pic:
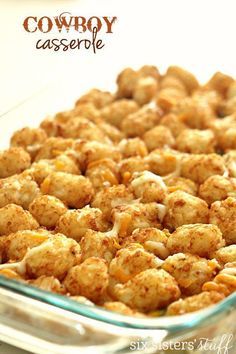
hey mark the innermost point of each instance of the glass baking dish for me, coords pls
(43, 322)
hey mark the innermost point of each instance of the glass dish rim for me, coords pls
(171, 323)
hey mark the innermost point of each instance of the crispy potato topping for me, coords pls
(128, 199)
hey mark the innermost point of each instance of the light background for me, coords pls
(197, 34)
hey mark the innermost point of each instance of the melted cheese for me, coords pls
(230, 271)
(232, 167)
(148, 176)
(157, 248)
(226, 173)
(161, 211)
(176, 172)
(19, 267)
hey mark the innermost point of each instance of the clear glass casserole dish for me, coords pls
(42, 322)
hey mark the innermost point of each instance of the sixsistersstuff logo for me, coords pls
(90, 31)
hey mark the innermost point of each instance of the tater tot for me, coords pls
(82, 300)
(51, 127)
(190, 271)
(126, 81)
(138, 123)
(171, 90)
(196, 141)
(158, 137)
(133, 147)
(110, 197)
(41, 169)
(194, 303)
(224, 282)
(75, 223)
(94, 151)
(227, 107)
(121, 308)
(74, 191)
(230, 161)
(65, 163)
(129, 166)
(149, 70)
(11, 274)
(210, 97)
(163, 162)
(17, 244)
(130, 261)
(170, 81)
(223, 214)
(82, 128)
(53, 257)
(47, 210)
(12, 161)
(219, 127)
(152, 239)
(117, 111)
(149, 290)
(168, 98)
(225, 254)
(199, 167)
(227, 141)
(217, 188)
(97, 97)
(103, 173)
(87, 110)
(48, 283)
(64, 116)
(172, 122)
(183, 208)
(148, 187)
(188, 79)
(14, 218)
(197, 239)
(220, 82)
(98, 244)
(129, 217)
(145, 89)
(195, 113)
(113, 133)
(231, 91)
(18, 189)
(89, 279)
(31, 139)
(181, 183)
(53, 147)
